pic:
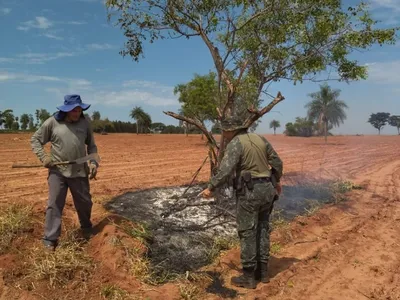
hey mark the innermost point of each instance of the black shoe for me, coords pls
(87, 233)
(261, 273)
(246, 280)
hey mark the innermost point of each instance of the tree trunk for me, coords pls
(137, 127)
(274, 131)
(326, 131)
(398, 130)
(379, 131)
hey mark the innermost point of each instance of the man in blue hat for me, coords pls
(71, 137)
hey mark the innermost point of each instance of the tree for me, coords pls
(143, 119)
(41, 116)
(9, 120)
(395, 121)
(379, 120)
(5, 115)
(255, 43)
(301, 127)
(15, 124)
(31, 125)
(24, 119)
(274, 124)
(96, 115)
(290, 129)
(326, 109)
(198, 97)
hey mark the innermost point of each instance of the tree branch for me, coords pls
(198, 124)
(255, 115)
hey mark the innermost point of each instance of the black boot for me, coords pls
(246, 280)
(262, 272)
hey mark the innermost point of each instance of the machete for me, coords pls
(81, 160)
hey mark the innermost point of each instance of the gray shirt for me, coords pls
(68, 141)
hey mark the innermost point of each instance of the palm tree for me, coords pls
(137, 114)
(274, 124)
(142, 118)
(326, 109)
(5, 115)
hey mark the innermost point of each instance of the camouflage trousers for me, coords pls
(252, 217)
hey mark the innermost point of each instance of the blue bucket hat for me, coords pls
(72, 101)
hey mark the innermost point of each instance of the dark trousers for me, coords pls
(58, 187)
(253, 211)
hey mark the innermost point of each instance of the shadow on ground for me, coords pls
(218, 285)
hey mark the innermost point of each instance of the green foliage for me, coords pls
(96, 115)
(199, 97)
(8, 118)
(379, 120)
(31, 124)
(41, 116)
(143, 119)
(4, 115)
(395, 121)
(266, 40)
(302, 127)
(326, 109)
(274, 124)
(15, 125)
(290, 129)
(157, 127)
(172, 129)
(99, 125)
(24, 119)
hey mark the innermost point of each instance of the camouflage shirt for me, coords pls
(248, 152)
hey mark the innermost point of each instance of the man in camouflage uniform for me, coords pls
(252, 154)
(71, 137)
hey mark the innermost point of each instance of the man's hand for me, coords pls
(206, 193)
(92, 170)
(278, 188)
(47, 162)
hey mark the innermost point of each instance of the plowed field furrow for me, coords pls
(361, 255)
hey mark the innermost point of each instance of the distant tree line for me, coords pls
(31, 122)
(26, 121)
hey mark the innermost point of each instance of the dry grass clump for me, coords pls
(14, 220)
(69, 262)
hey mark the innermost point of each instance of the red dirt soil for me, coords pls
(345, 251)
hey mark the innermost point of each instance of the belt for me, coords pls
(261, 179)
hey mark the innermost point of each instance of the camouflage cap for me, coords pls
(232, 124)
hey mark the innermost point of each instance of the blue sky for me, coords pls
(52, 48)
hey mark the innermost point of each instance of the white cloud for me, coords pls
(52, 36)
(6, 60)
(40, 58)
(117, 96)
(100, 46)
(21, 77)
(148, 84)
(132, 97)
(5, 10)
(388, 11)
(390, 4)
(76, 23)
(38, 22)
(384, 72)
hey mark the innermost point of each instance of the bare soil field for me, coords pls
(349, 250)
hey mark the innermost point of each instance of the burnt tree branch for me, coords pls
(255, 114)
